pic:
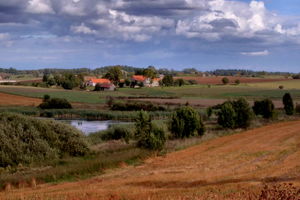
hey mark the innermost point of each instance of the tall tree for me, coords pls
(288, 104)
(114, 74)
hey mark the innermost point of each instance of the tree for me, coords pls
(179, 82)
(235, 114)
(168, 80)
(288, 104)
(227, 115)
(237, 81)
(186, 122)
(114, 74)
(244, 113)
(150, 72)
(147, 134)
(225, 80)
(265, 108)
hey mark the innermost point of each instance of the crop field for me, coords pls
(231, 167)
(290, 84)
(192, 93)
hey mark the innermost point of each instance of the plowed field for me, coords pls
(230, 167)
(14, 100)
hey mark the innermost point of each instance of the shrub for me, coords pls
(118, 132)
(298, 108)
(227, 115)
(168, 80)
(238, 115)
(264, 108)
(134, 106)
(288, 104)
(244, 113)
(237, 81)
(179, 82)
(281, 87)
(209, 112)
(147, 134)
(25, 140)
(54, 103)
(225, 80)
(185, 122)
(192, 82)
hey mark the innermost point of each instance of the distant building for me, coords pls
(147, 82)
(94, 81)
(107, 86)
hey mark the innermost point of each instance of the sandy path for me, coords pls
(231, 164)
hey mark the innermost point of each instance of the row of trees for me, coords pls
(67, 81)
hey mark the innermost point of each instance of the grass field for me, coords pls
(291, 84)
(186, 92)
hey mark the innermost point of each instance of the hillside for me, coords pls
(230, 167)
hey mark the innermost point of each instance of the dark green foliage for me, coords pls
(227, 115)
(192, 82)
(288, 104)
(135, 106)
(25, 140)
(265, 108)
(236, 115)
(118, 132)
(168, 80)
(209, 112)
(225, 80)
(150, 72)
(244, 114)
(114, 74)
(298, 108)
(237, 81)
(179, 82)
(147, 134)
(281, 87)
(54, 103)
(186, 122)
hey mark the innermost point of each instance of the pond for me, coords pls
(88, 127)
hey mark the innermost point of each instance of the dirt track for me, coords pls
(14, 100)
(230, 167)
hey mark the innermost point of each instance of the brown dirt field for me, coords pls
(14, 100)
(218, 79)
(230, 167)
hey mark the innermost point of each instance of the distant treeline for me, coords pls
(137, 70)
(250, 73)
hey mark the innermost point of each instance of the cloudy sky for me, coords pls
(205, 34)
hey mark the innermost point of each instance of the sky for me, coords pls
(174, 34)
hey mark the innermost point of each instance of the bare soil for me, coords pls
(230, 167)
(14, 100)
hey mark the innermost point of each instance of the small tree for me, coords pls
(147, 134)
(185, 122)
(179, 82)
(237, 81)
(227, 116)
(265, 108)
(288, 104)
(225, 80)
(244, 113)
(168, 80)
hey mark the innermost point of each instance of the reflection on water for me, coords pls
(88, 127)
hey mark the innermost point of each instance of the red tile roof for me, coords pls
(139, 78)
(101, 81)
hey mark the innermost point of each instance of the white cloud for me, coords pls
(39, 7)
(83, 29)
(256, 53)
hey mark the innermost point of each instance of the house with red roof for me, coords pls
(105, 84)
(147, 82)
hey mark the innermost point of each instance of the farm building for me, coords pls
(94, 81)
(107, 86)
(147, 82)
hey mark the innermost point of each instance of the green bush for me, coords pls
(135, 106)
(227, 116)
(265, 108)
(168, 80)
(240, 118)
(288, 104)
(118, 132)
(225, 80)
(148, 135)
(185, 122)
(54, 103)
(25, 140)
